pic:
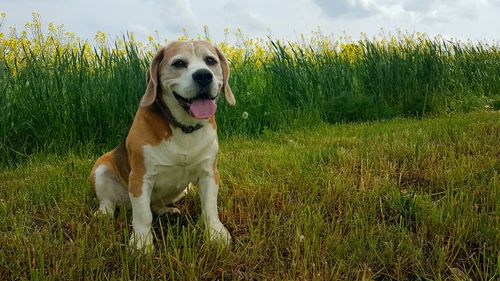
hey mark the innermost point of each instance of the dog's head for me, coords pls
(188, 77)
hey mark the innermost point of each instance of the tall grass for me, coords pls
(56, 99)
(57, 102)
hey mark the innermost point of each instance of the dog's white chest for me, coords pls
(179, 160)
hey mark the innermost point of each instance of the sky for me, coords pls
(283, 19)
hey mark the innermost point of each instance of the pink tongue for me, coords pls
(203, 109)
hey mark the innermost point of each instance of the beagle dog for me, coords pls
(172, 142)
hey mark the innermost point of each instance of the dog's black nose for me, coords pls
(203, 77)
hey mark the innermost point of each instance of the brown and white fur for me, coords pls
(158, 161)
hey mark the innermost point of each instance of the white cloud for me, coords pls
(175, 15)
(240, 14)
(341, 8)
(281, 18)
(409, 10)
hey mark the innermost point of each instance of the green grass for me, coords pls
(61, 99)
(401, 199)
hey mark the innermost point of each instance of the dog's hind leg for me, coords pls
(171, 210)
(108, 190)
(168, 208)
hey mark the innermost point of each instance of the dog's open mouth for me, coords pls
(203, 106)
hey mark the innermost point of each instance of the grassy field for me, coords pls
(401, 199)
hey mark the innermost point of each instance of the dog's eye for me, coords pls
(179, 64)
(211, 61)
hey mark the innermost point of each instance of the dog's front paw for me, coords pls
(142, 242)
(219, 233)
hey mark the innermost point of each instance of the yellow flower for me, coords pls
(100, 38)
(350, 51)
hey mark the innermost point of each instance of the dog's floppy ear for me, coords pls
(152, 80)
(228, 93)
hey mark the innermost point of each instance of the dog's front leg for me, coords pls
(208, 189)
(140, 188)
